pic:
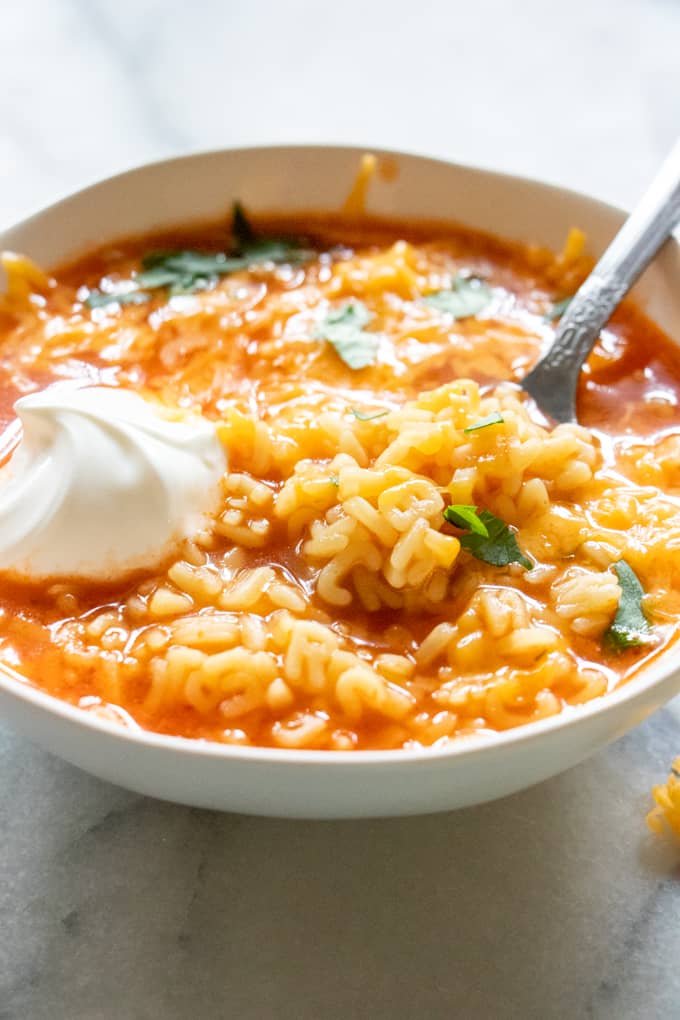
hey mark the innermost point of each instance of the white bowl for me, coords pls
(327, 784)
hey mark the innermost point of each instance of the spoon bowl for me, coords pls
(553, 381)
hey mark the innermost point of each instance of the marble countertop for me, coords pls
(554, 903)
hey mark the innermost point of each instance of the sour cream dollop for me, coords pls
(102, 484)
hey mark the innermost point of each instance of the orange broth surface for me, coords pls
(248, 343)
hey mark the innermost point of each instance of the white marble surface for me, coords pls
(551, 904)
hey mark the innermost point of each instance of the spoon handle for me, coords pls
(552, 382)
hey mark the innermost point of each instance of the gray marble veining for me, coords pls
(551, 903)
(554, 903)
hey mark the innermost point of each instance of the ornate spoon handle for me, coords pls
(552, 382)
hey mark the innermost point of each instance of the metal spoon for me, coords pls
(552, 382)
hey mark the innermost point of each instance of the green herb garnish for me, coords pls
(334, 479)
(98, 298)
(467, 297)
(630, 627)
(360, 416)
(344, 328)
(463, 516)
(183, 272)
(495, 418)
(490, 540)
(241, 228)
(558, 309)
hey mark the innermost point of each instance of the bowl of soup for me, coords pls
(279, 530)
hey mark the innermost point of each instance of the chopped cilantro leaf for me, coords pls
(467, 297)
(466, 517)
(361, 416)
(630, 627)
(498, 547)
(183, 272)
(241, 229)
(157, 276)
(495, 418)
(98, 298)
(334, 479)
(344, 328)
(279, 250)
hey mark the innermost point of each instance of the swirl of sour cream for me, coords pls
(102, 484)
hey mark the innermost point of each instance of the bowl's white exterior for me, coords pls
(323, 784)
